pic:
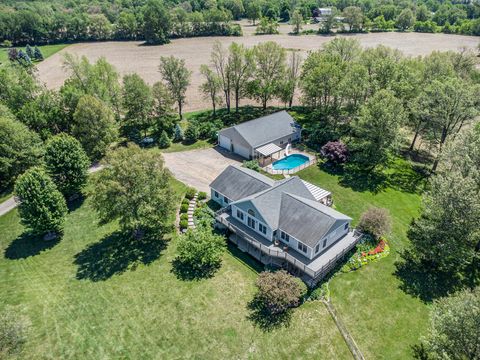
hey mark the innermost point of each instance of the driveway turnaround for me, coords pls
(198, 168)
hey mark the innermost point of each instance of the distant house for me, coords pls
(285, 223)
(260, 137)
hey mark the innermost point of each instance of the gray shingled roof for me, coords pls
(238, 182)
(308, 220)
(263, 130)
(268, 202)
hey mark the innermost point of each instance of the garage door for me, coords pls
(224, 142)
(242, 151)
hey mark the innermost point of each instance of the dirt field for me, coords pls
(129, 57)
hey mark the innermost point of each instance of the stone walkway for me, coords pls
(191, 209)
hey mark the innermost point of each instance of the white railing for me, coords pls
(269, 169)
(284, 255)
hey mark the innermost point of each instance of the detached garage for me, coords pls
(253, 138)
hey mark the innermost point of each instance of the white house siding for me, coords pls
(334, 236)
(283, 141)
(268, 235)
(225, 142)
(242, 151)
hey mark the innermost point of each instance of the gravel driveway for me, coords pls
(198, 168)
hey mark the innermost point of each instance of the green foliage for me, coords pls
(190, 193)
(405, 20)
(164, 141)
(42, 207)
(377, 130)
(134, 188)
(296, 19)
(251, 164)
(199, 253)
(13, 332)
(267, 26)
(67, 163)
(453, 332)
(137, 102)
(94, 126)
(178, 135)
(184, 208)
(184, 217)
(202, 195)
(176, 77)
(20, 148)
(376, 222)
(183, 223)
(279, 291)
(191, 135)
(156, 23)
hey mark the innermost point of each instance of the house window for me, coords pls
(284, 236)
(251, 223)
(302, 247)
(215, 194)
(239, 214)
(317, 248)
(281, 142)
(226, 200)
(324, 242)
(262, 228)
(346, 226)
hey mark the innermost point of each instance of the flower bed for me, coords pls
(367, 252)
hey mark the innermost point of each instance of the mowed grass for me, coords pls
(47, 50)
(144, 312)
(384, 320)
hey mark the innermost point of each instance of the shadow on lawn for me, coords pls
(27, 245)
(399, 176)
(265, 320)
(114, 254)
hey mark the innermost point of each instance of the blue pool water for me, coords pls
(290, 162)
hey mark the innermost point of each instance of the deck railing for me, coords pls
(269, 169)
(285, 255)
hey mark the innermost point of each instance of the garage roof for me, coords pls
(263, 130)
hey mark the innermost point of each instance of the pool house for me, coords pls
(286, 223)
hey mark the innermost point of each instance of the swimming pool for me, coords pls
(290, 162)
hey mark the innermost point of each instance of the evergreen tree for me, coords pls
(42, 207)
(164, 141)
(67, 163)
(29, 51)
(37, 54)
(191, 135)
(178, 133)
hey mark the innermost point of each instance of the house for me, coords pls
(286, 223)
(260, 137)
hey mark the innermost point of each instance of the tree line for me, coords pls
(156, 21)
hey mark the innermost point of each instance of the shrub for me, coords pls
(202, 195)
(13, 332)
(178, 133)
(375, 221)
(335, 151)
(185, 201)
(251, 164)
(191, 135)
(164, 141)
(190, 193)
(42, 207)
(199, 253)
(184, 216)
(67, 163)
(183, 208)
(278, 291)
(183, 224)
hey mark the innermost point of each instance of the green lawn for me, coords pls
(383, 319)
(87, 299)
(200, 144)
(47, 50)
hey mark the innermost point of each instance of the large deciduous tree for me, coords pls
(42, 207)
(454, 325)
(270, 62)
(211, 87)
(134, 188)
(220, 62)
(156, 23)
(20, 148)
(67, 164)
(240, 66)
(176, 77)
(376, 131)
(354, 18)
(137, 104)
(94, 126)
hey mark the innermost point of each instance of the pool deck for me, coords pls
(312, 160)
